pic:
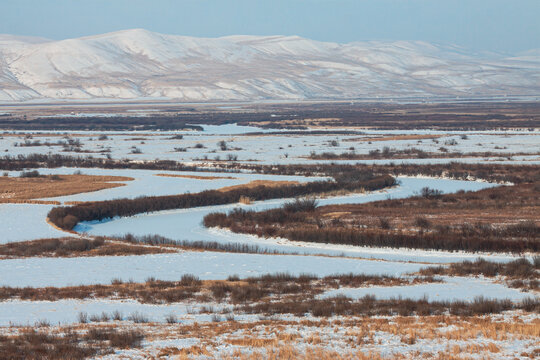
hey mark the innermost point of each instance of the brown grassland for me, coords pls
(520, 273)
(284, 316)
(504, 218)
(282, 287)
(455, 116)
(273, 295)
(76, 247)
(67, 343)
(499, 206)
(360, 338)
(464, 116)
(449, 337)
(21, 189)
(255, 183)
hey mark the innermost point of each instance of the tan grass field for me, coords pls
(255, 183)
(22, 190)
(497, 206)
(360, 338)
(449, 337)
(76, 247)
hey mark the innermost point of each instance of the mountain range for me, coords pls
(139, 64)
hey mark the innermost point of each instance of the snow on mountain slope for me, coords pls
(137, 63)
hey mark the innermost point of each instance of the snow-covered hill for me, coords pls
(137, 63)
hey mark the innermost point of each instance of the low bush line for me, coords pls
(68, 217)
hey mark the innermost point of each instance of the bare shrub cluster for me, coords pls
(520, 273)
(280, 223)
(60, 247)
(459, 116)
(198, 244)
(439, 222)
(190, 287)
(409, 153)
(68, 217)
(370, 306)
(33, 344)
(455, 170)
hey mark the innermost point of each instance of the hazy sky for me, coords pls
(497, 25)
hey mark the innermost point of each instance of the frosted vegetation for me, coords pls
(206, 146)
(187, 223)
(234, 145)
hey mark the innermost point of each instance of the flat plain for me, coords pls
(311, 230)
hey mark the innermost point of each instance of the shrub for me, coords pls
(30, 344)
(222, 145)
(245, 200)
(83, 317)
(30, 174)
(171, 319)
(422, 223)
(123, 340)
(69, 222)
(384, 223)
(220, 290)
(117, 315)
(536, 262)
(68, 217)
(138, 317)
(190, 280)
(430, 193)
(298, 205)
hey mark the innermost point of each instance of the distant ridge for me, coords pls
(139, 64)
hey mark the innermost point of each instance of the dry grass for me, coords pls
(67, 343)
(503, 219)
(520, 273)
(75, 247)
(197, 177)
(389, 116)
(35, 202)
(23, 189)
(497, 206)
(428, 337)
(282, 287)
(255, 183)
(245, 200)
(361, 338)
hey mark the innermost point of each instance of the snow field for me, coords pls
(289, 149)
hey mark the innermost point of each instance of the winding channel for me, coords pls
(318, 259)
